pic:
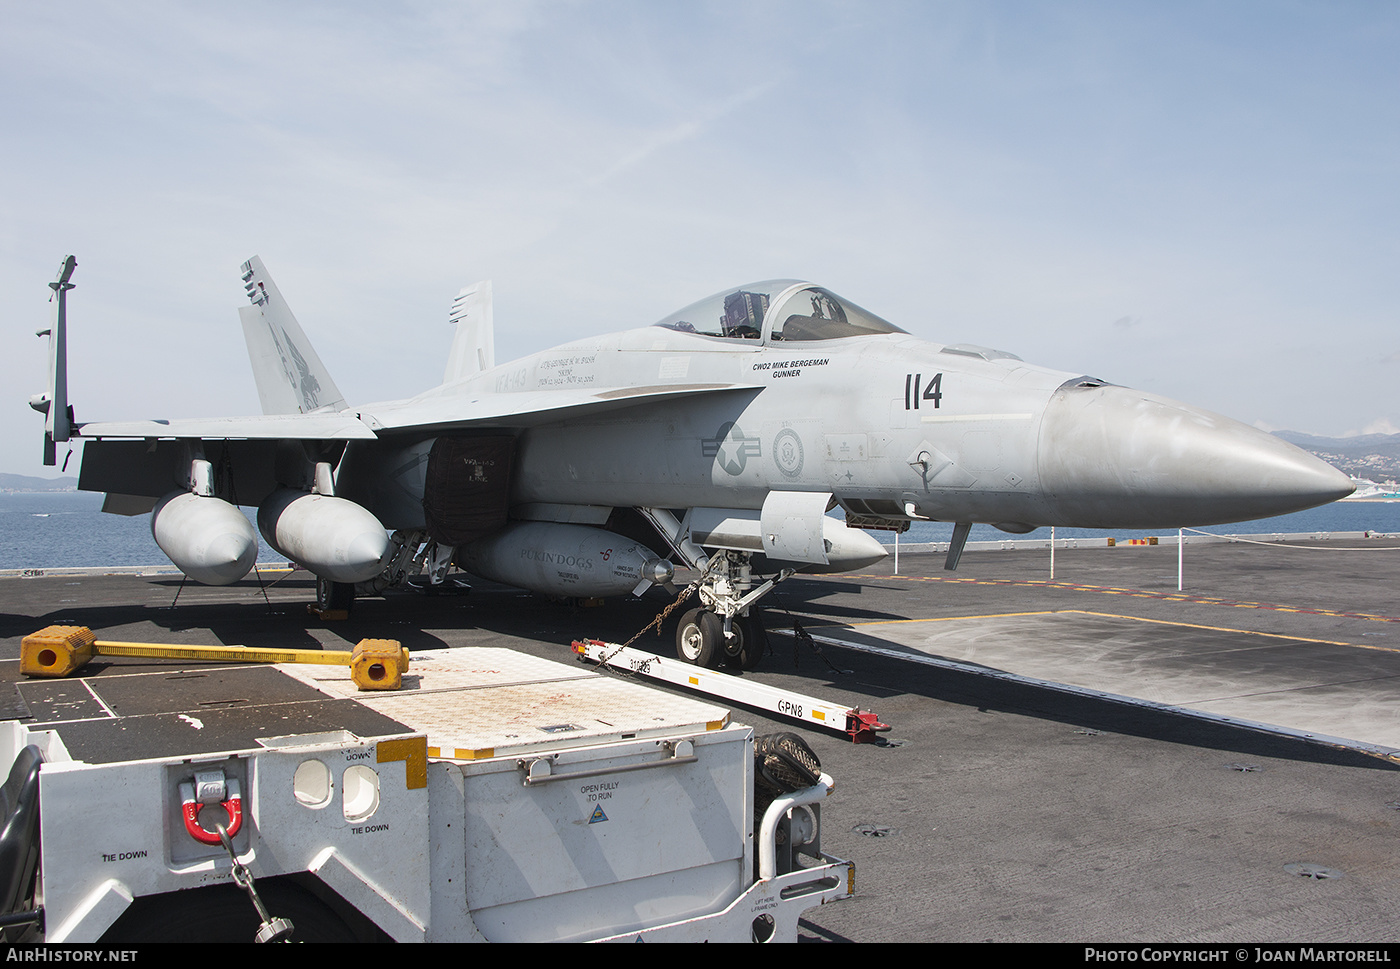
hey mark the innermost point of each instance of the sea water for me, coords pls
(45, 530)
(66, 529)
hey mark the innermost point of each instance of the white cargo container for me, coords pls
(496, 797)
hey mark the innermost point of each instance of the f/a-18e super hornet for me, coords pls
(720, 437)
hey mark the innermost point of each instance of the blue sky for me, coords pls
(1199, 200)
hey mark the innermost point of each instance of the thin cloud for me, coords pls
(1382, 425)
(681, 132)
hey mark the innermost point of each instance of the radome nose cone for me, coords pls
(1111, 457)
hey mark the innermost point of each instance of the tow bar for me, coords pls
(861, 726)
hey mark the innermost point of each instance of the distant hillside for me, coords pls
(24, 482)
(1373, 456)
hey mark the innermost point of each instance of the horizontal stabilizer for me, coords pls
(290, 376)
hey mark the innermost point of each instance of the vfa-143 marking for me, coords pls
(720, 438)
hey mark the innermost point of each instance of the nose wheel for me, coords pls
(700, 640)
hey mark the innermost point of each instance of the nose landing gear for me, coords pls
(726, 628)
(701, 640)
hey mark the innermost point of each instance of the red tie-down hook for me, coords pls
(214, 789)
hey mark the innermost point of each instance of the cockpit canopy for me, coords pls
(791, 311)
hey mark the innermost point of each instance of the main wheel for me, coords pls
(334, 595)
(699, 637)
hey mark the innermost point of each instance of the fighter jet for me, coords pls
(719, 437)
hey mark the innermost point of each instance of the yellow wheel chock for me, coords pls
(57, 651)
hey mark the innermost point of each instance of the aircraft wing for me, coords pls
(444, 411)
(275, 427)
(438, 411)
(149, 458)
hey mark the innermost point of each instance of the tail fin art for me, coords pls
(474, 346)
(290, 376)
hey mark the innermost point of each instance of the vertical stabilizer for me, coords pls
(474, 346)
(291, 378)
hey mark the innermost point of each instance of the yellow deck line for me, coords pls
(1112, 615)
(996, 615)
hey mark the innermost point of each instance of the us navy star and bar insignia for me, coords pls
(732, 447)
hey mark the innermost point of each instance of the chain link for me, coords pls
(604, 660)
(269, 929)
(661, 617)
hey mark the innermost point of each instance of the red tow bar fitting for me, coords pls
(863, 725)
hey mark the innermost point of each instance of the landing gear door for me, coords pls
(792, 526)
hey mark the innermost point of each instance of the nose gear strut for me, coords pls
(723, 627)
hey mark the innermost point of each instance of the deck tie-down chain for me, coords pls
(270, 929)
(603, 661)
(212, 787)
(661, 617)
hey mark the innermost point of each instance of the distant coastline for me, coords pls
(23, 484)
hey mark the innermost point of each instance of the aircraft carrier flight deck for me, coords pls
(1094, 758)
